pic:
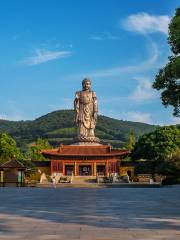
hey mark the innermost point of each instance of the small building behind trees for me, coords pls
(12, 173)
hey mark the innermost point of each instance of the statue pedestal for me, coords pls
(88, 140)
(86, 144)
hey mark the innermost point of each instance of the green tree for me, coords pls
(8, 148)
(175, 159)
(169, 167)
(34, 151)
(162, 147)
(167, 80)
(131, 143)
(159, 144)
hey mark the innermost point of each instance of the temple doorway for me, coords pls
(101, 170)
(129, 173)
(69, 169)
(85, 170)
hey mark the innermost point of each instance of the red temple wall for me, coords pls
(111, 165)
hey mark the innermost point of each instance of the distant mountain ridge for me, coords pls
(58, 127)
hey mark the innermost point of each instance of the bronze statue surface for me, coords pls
(86, 110)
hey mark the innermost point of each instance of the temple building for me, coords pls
(85, 160)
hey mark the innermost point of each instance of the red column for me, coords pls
(57, 166)
(118, 166)
(75, 168)
(51, 167)
(63, 168)
(107, 168)
(94, 169)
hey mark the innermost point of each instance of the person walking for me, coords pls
(54, 181)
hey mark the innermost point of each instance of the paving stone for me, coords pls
(90, 214)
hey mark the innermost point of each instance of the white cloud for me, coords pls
(12, 117)
(96, 38)
(43, 56)
(139, 117)
(13, 112)
(145, 23)
(117, 71)
(174, 120)
(104, 36)
(143, 90)
(166, 122)
(134, 116)
(66, 103)
(3, 117)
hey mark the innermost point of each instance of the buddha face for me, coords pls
(86, 85)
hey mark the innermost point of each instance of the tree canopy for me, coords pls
(168, 78)
(159, 144)
(8, 148)
(34, 151)
(131, 143)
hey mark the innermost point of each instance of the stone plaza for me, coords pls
(83, 213)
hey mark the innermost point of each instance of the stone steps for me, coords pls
(101, 185)
(83, 179)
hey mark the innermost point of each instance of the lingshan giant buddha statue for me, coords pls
(86, 110)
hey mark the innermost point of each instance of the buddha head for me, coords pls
(86, 84)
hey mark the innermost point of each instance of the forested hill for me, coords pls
(58, 127)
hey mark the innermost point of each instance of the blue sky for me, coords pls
(48, 47)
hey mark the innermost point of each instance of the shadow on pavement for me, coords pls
(108, 208)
